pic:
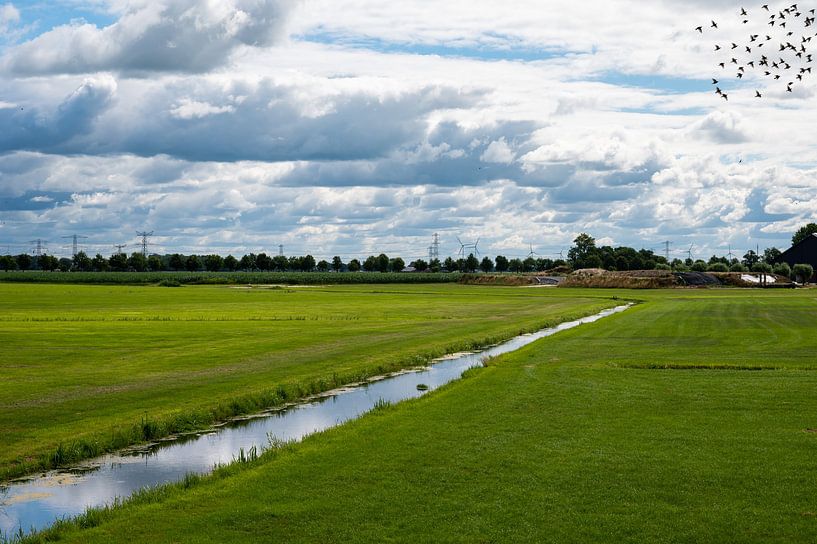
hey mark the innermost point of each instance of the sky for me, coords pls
(355, 127)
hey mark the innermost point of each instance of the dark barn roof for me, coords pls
(803, 253)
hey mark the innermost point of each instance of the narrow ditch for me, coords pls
(34, 503)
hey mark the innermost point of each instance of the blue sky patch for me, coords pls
(478, 51)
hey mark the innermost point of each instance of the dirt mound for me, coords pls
(498, 279)
(632, 279)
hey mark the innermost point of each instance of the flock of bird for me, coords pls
(780, 53)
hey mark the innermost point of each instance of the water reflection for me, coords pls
(37, 502)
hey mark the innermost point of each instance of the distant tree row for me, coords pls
(585, 254)
(136, 262)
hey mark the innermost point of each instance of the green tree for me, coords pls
(529, 264)
(383, 263)
(192, 263)
(782, 269)
(803, 232)
(501, 263)
(323, 266)
(544, 264)
(155, 263)
(738, 267)
(750, 258)
(213, 263)
(263, 262)
(717, 267)
(65, 264)
(584, 253)
(397, 264)
(486, 265)
(100, 263)
(137, 262)
(803, 272)
(420, 265)
(230, 263)
(280, 263)
(308, 263)
(81, 262)
(118, 262)
(698, 266)
(337, 263)
(516, 266)
(763, 267)
(370, 264)
(7, 262)
(450, 264)
(471, 263)
(24, 261)
(48, 262)
(353, 266)
(434, 265)
(771, 254)
(176, 262)
(247, 262)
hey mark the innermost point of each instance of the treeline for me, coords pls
(176, 262)
(585, 254)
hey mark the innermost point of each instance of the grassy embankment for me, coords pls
(644, 427)
(91, 368)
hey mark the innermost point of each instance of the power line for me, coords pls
(145, 235)
(666, 248)
(39, 248)
(434, 248)
(74, 246)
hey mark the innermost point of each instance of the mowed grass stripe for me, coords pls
(549, 444)
(90, 385)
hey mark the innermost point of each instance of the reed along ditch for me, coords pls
(34, 503)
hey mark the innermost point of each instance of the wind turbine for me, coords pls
(532, 252)
(463, 247)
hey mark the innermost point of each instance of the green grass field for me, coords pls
(90, 368)
(689, 418)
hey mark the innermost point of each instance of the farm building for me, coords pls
(803, 253)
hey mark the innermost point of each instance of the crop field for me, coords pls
(691, 417)
(90, 368)
(225, 278)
